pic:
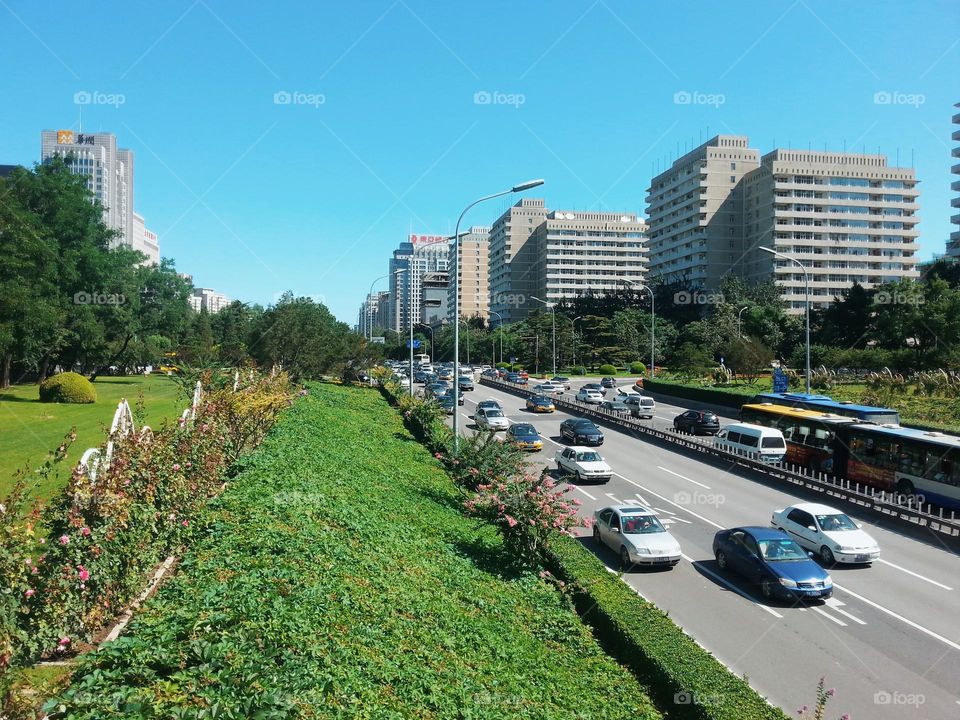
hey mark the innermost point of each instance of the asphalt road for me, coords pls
(889, 639)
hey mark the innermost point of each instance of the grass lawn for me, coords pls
(338, 578)
(30, 429)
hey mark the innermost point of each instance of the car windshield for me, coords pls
(493, 412)
(641, 525)
(838, 522)
(585, 426)
(588, 456)
(524, 431)
(781, 550)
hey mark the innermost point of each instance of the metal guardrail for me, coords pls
(865, 496)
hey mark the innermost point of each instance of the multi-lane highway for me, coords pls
(888, 640)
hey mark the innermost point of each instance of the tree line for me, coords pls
(70, 301)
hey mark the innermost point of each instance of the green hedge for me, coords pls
(708, 396)
(68, 387)
(638, 368)
(608, 369)
(647, 641)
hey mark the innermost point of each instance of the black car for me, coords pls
(608, 382)
(446, 402)
(580, 431)
(698, 422)
(419, 376)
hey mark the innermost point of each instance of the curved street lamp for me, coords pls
(456, 302)
(553, 314)
(653, 319)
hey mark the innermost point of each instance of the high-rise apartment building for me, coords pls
(848, 218)
(953, 245)
(512, 259)
(145, 241)
(208, 299)
(107, 168)
(419, 255)
(694, 232)
(470, 262)
(578, 252)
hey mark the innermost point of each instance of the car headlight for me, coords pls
(841, 548)
(643, 551)
(788, 583)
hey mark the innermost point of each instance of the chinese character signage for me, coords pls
(418, 240)
(67, 137)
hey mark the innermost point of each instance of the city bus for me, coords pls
(890, 458)
(825, 403)
(810, 435)
(421, 359)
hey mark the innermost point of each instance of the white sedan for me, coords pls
(832, 534)
(590, 396)
(583, 463)
(491, 419)
(549, 388)
(635, 533)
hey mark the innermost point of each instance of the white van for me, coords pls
(640, 406)
(753, 441)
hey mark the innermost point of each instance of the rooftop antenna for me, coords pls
(898, 157)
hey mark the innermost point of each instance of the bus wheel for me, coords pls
(905, 487)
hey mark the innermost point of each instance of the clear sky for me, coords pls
(386, 130)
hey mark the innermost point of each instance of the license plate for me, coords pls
(862, 558)
(814, 592)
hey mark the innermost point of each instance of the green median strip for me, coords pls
(339, 578)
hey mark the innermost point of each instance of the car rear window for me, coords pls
(773, 442)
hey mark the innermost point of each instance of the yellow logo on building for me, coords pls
(64, 137)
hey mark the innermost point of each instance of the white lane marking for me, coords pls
(916, 575)
(671, 502)
(577, 487)
(901, 618)
(610, 495)
(836, 606)
(669, 512)
(683, 477)
(660, 418)
(828, 616)
(680, 519)
(723, 581)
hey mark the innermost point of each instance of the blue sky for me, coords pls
(389, 133)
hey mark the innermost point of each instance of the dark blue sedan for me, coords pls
(769, 558)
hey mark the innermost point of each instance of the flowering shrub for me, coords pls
(482, 458)
(528, 510)
(818, 711)
(102, 537)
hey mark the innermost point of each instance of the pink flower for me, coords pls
(27, 561)
(176, 467)
(30, 592)
(64, 539)
(510, 521)
(204, 427)
(43, 541)
(84, 574)
(185, 523)
(85, 532)
(64, 641)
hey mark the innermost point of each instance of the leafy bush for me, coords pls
(607, 369)
(482, 458)
(338, 578)
(578, 370)
(638, 368)
(101, 538)
(68, 387)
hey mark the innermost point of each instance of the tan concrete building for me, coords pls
(512, 259)
(470, 263)
(694, 233)
(846, 217)
(578, 252)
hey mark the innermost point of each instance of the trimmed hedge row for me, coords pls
(712, 396)
(682, 676)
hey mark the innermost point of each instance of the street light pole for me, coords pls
(456, 302)
(739, 324)
(653, 320)
(573, 332)
(553, 314)
(500, 318)
(806, 302)
(428, 327)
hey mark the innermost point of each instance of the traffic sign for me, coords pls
(780, 381)
(378, 340)
(416, 344)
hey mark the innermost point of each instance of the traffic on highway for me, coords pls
(783, 586)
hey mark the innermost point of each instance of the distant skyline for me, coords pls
(285, 146)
